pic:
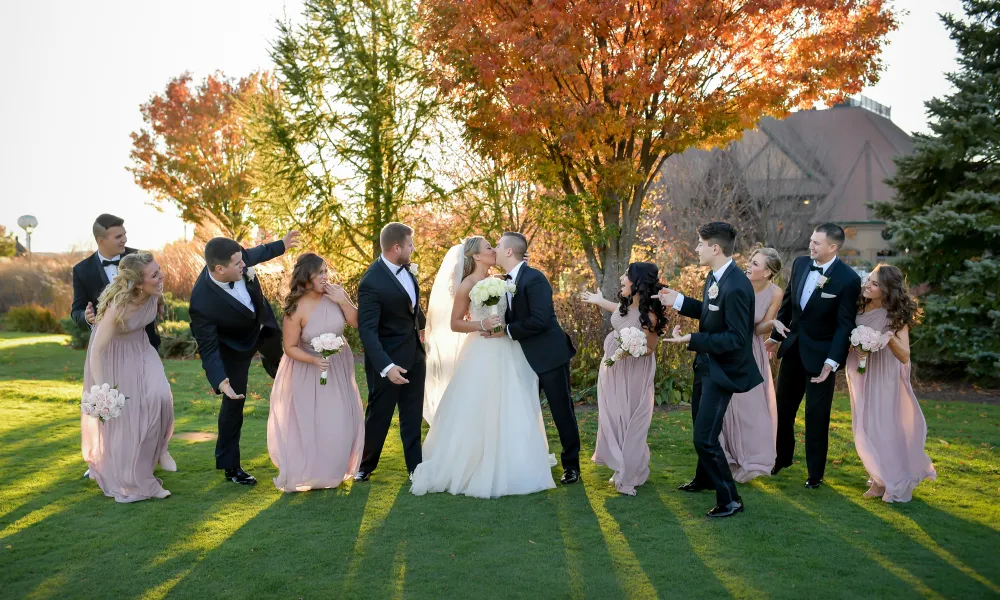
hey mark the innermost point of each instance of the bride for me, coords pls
(487, 438)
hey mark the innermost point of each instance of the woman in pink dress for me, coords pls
(751, 423)
(122, 452)
(625, 389)
(889, 427)
(315, 432)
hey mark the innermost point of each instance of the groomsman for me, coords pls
(724, 364)
(819, 305)
(232, 321)
(90, 276)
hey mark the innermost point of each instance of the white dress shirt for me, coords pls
(111, 270)
(811, 280)
(679, 302)
(406, 280)
(238, 291)
(510, 297)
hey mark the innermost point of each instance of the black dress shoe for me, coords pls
(813, 483)
(238, 475)
(692, 486)
(776, 470)
(362, 476)
(570, 476)
(726, 511)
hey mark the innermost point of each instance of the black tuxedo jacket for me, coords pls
(531, 320)
(388, 326)
(89, 280)
(222, 325)
(725, 331)
(823, 329)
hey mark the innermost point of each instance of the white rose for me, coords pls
(413, 269)
(251, 274)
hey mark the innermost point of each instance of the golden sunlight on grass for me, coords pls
(877, 557)
(574, 553)
(908, 527)
(380, 501)
(30, 340)
(632, 580)
(702, 541)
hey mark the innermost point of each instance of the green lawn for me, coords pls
(60, 537)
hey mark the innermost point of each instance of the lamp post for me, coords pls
(28, 224)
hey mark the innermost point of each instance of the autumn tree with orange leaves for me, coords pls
(595, 94)
(193, 151)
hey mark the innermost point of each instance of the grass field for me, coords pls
(60, 537)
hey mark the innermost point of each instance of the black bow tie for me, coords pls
(816, 268)
(105, 263)
(508, 277)
(232, 285)
(400, 269)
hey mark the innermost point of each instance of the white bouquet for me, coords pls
(631, 342)
(488, 293)
(327, 344)
(103, 402)
(866, 340)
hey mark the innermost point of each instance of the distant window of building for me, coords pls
(851, 232)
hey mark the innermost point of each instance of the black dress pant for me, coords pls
(383, 398)
(793, 382)
(227, 447)
(709, 403)
(555, 384)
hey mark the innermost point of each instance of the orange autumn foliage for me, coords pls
(595, 94)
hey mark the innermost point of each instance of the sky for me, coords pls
(76, 72)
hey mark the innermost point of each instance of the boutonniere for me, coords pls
(250, 274)
(412, 268)
(713, 292)
(821, 282)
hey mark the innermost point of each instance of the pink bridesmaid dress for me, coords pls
(750, 426)
(889, 427)
(625, 410)
(316, 433)
(123, 452)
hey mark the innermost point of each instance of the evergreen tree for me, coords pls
(946, 214)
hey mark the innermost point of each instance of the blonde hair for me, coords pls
(772, 260)
(470, 247)
(125, 287)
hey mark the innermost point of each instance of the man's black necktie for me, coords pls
(105, 263)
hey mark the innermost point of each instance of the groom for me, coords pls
(724, 364)
(531, 321)
(232, 320)
(391, 324)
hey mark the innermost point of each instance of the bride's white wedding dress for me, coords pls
(487, 438)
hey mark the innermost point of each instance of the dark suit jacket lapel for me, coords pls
(800, 285)
(225, 296)
(829, 275)
(101, 273)
(392, 276)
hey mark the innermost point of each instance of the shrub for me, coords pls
(176, 340)
(176, 310)
(31, 318)
(47, 282)
(78, 337)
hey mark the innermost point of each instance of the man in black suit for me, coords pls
(819, 305)
(724, 364)
(232, 321)
(391, 325)
(531, 321)
(92, 274)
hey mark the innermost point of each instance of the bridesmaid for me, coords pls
(751, 423)
(123, 452)
(315, 433)
(889, 427)
(625, 389)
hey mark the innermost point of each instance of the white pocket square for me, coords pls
(825, 295)
(713, 307)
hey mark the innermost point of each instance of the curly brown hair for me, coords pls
(305, 269)
(899, 305)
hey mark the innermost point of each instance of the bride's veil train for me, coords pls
(443, 344)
